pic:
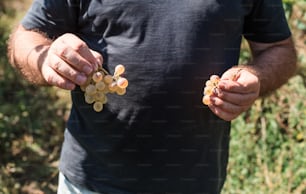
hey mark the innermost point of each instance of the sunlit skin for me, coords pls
(235, 92)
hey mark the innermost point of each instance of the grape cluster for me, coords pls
(210, 88)
(100, 83)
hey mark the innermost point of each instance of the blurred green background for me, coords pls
(268, 142)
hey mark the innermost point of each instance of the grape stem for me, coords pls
(236, 75)
(104, 71)
(115, 77)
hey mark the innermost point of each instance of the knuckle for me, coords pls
(76, 62)
(62, 84)
(54, 79)
(221, 94)
(80, 46)
(245, 86)
(63, 51)
(49, 79)
(56, 65)
(73, 75)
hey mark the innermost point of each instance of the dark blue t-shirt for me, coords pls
(159, 137)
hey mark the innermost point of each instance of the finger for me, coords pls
(234, 87)
(232, 74)
(81, 47)
(228, 107)
(243, 99)
(66, 71)
(54, 79)
(73, 58)
(98, 57)
(222, 114)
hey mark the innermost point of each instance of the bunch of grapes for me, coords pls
(100, 83)
(210, 88)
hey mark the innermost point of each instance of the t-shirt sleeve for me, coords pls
(53, 17)
(266, 22)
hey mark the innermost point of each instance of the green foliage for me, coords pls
(31, 126)
(268, 145)
(267, 150)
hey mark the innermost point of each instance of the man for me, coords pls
(159, 137)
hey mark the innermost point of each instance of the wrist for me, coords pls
(36, 59)
(262, 78)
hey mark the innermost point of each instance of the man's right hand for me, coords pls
(69, 61)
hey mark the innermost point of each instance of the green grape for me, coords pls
(105, 100)
(97, 76)
(215, 79)
(100, 86)
(89, 99)
(122, 82)
(121, 91)
(209, 83)
(119, 69)
(98, 106)
(206, 100)
(210, 88)
(99, 96)
(90, 89)
(100, 83)
(108, 79)
(112, 87)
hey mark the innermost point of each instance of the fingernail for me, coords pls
(80, 79)
(70, 86)
(216, 91)
(222, 84)
(87, 69)
(212, 100)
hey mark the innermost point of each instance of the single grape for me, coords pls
(121, 91)
(98, 106)
(90, 89)
(105, 100)
(100, 86)
(209, 83)
(206, 100)
(215, 79)
(119, 69)
(89, 99)
(122, 82)
(108, 79)
(208, 90)
(99, 96)
(112, 87)
(97, 76)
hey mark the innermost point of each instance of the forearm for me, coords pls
(274, 64)
(27, 51)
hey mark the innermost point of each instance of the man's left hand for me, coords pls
(237, 91)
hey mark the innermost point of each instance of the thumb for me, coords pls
(232, 74)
